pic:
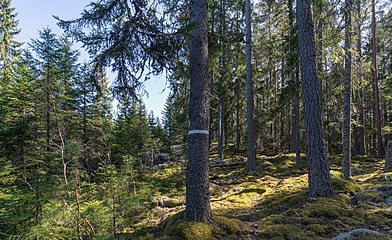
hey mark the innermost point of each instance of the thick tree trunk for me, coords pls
(197, 206)
(319, 177)
(346, 161)
(251, 152)
(377, 111)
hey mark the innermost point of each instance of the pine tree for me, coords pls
(346, 163)
(319, 178)
(197, 183)
(251, 162)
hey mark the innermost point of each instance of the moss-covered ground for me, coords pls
(271, 203)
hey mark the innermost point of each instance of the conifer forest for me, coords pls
(277, 125)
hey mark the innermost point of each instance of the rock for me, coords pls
(215, 189)
(388, 157)
(165, 201)
(389, 201)
(385, 191)
(386, 177)
(374, 196)
(161, 158)
(371, 197)
(359, 234)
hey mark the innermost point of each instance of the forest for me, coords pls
(278, 124)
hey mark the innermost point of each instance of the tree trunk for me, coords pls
(388, 157)
(238, 119)
(197, 206)
(319, 177)
(295, 113)
(320, 23)
(251, 151)
(377, 111)
(346, 161)
(212, 80)
(361, 128)
(221, 115)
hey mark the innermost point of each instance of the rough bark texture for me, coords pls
(318, 166)
(251, 163)
(346, 163)
(377, 111)
(295, 112)
(318, 5)
(197, 184)
(388, 157)
(221, 115)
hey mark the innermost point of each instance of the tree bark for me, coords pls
(221, 115)
(319, 177)
(197, 206)
(388, 157)
(346, 161)
(361, 128)
(251, 151)
(295, 112)
(377, 111)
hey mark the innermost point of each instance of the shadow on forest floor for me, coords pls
(272, 203)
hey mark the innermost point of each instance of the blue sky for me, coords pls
(34, 15)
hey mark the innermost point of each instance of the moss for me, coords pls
(176, 227)
(366, 197)
(316, 228)
(226, 225)
(275, 219)
(343, 185)
(187, 230)
(323, 208)
(282, 231)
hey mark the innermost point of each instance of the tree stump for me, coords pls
(388, 157)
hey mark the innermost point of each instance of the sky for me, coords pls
(35, 15)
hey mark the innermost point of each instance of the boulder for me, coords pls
(360, 233)
(374, 196)
(161, 158)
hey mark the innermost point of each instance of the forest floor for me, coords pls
(271, 203)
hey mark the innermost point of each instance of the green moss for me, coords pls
(173, 219)
(187, 230)
(275, 219)
(176, 227)
(343, 185)
(365, 197)
(316, 228)
(282, 231)
(227, 225)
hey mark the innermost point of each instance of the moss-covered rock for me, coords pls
(316, 228)
(227, 226)
(343, 185)
(282, 231)
(187, 230)
(367, 197)
(176, 227)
